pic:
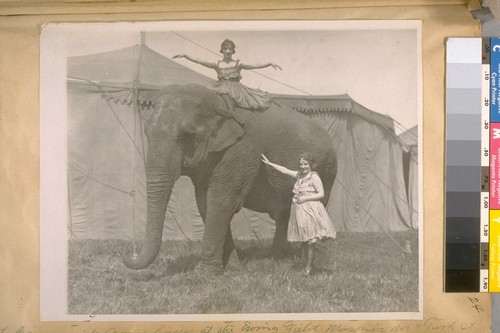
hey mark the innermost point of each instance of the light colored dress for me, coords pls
(309, 221)
(245, 97)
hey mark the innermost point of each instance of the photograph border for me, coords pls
(53, 157)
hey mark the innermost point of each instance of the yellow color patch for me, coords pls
(494, 255)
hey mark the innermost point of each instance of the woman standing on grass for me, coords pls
(229, 76)
(309, 220)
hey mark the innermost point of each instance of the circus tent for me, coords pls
(111, 94)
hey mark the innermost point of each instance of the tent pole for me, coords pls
(251, 227)
(143, 38)
(132, 195)
(137, 112)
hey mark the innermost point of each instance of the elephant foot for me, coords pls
(209, 270)
(233, 264)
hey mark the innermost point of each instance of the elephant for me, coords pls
(193, 132)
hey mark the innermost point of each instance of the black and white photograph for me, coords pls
(231, 170)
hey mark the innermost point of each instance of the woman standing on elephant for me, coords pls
(309, 220)
(229, 76)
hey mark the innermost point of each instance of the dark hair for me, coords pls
(310, 159)
(227, 42)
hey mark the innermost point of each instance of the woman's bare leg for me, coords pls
(311, 251)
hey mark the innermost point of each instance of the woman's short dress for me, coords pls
(245, 97)
(309, 221)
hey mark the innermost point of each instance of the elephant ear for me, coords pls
(226, 133)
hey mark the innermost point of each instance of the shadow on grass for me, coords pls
(182, 264)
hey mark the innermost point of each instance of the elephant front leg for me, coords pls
(230, 258)
(218, 248)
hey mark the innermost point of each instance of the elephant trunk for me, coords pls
(160, 181)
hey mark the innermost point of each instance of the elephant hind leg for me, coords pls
(280, 246)
(231, 258)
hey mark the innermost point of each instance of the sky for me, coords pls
(378, 63)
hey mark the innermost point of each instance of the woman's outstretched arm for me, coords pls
(198, 61)
(269, 64)
(279, 168)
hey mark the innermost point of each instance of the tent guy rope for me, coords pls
(103, 94)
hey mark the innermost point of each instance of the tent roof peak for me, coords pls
(131, 64)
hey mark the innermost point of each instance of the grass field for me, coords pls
(358, 272)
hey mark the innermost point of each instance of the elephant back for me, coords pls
(284, 134)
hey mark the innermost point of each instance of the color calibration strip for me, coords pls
(464, 195)
(472, 165)
(494, 221)
(485, 164)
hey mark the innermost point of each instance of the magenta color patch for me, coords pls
(494, 166)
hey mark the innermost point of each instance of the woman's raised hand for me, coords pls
(265, 160)
(278, 167)
(275, 66)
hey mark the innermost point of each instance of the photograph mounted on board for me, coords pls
(253, 170)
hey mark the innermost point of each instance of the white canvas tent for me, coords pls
(369, 193)
(111, 94)
(409, 140)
